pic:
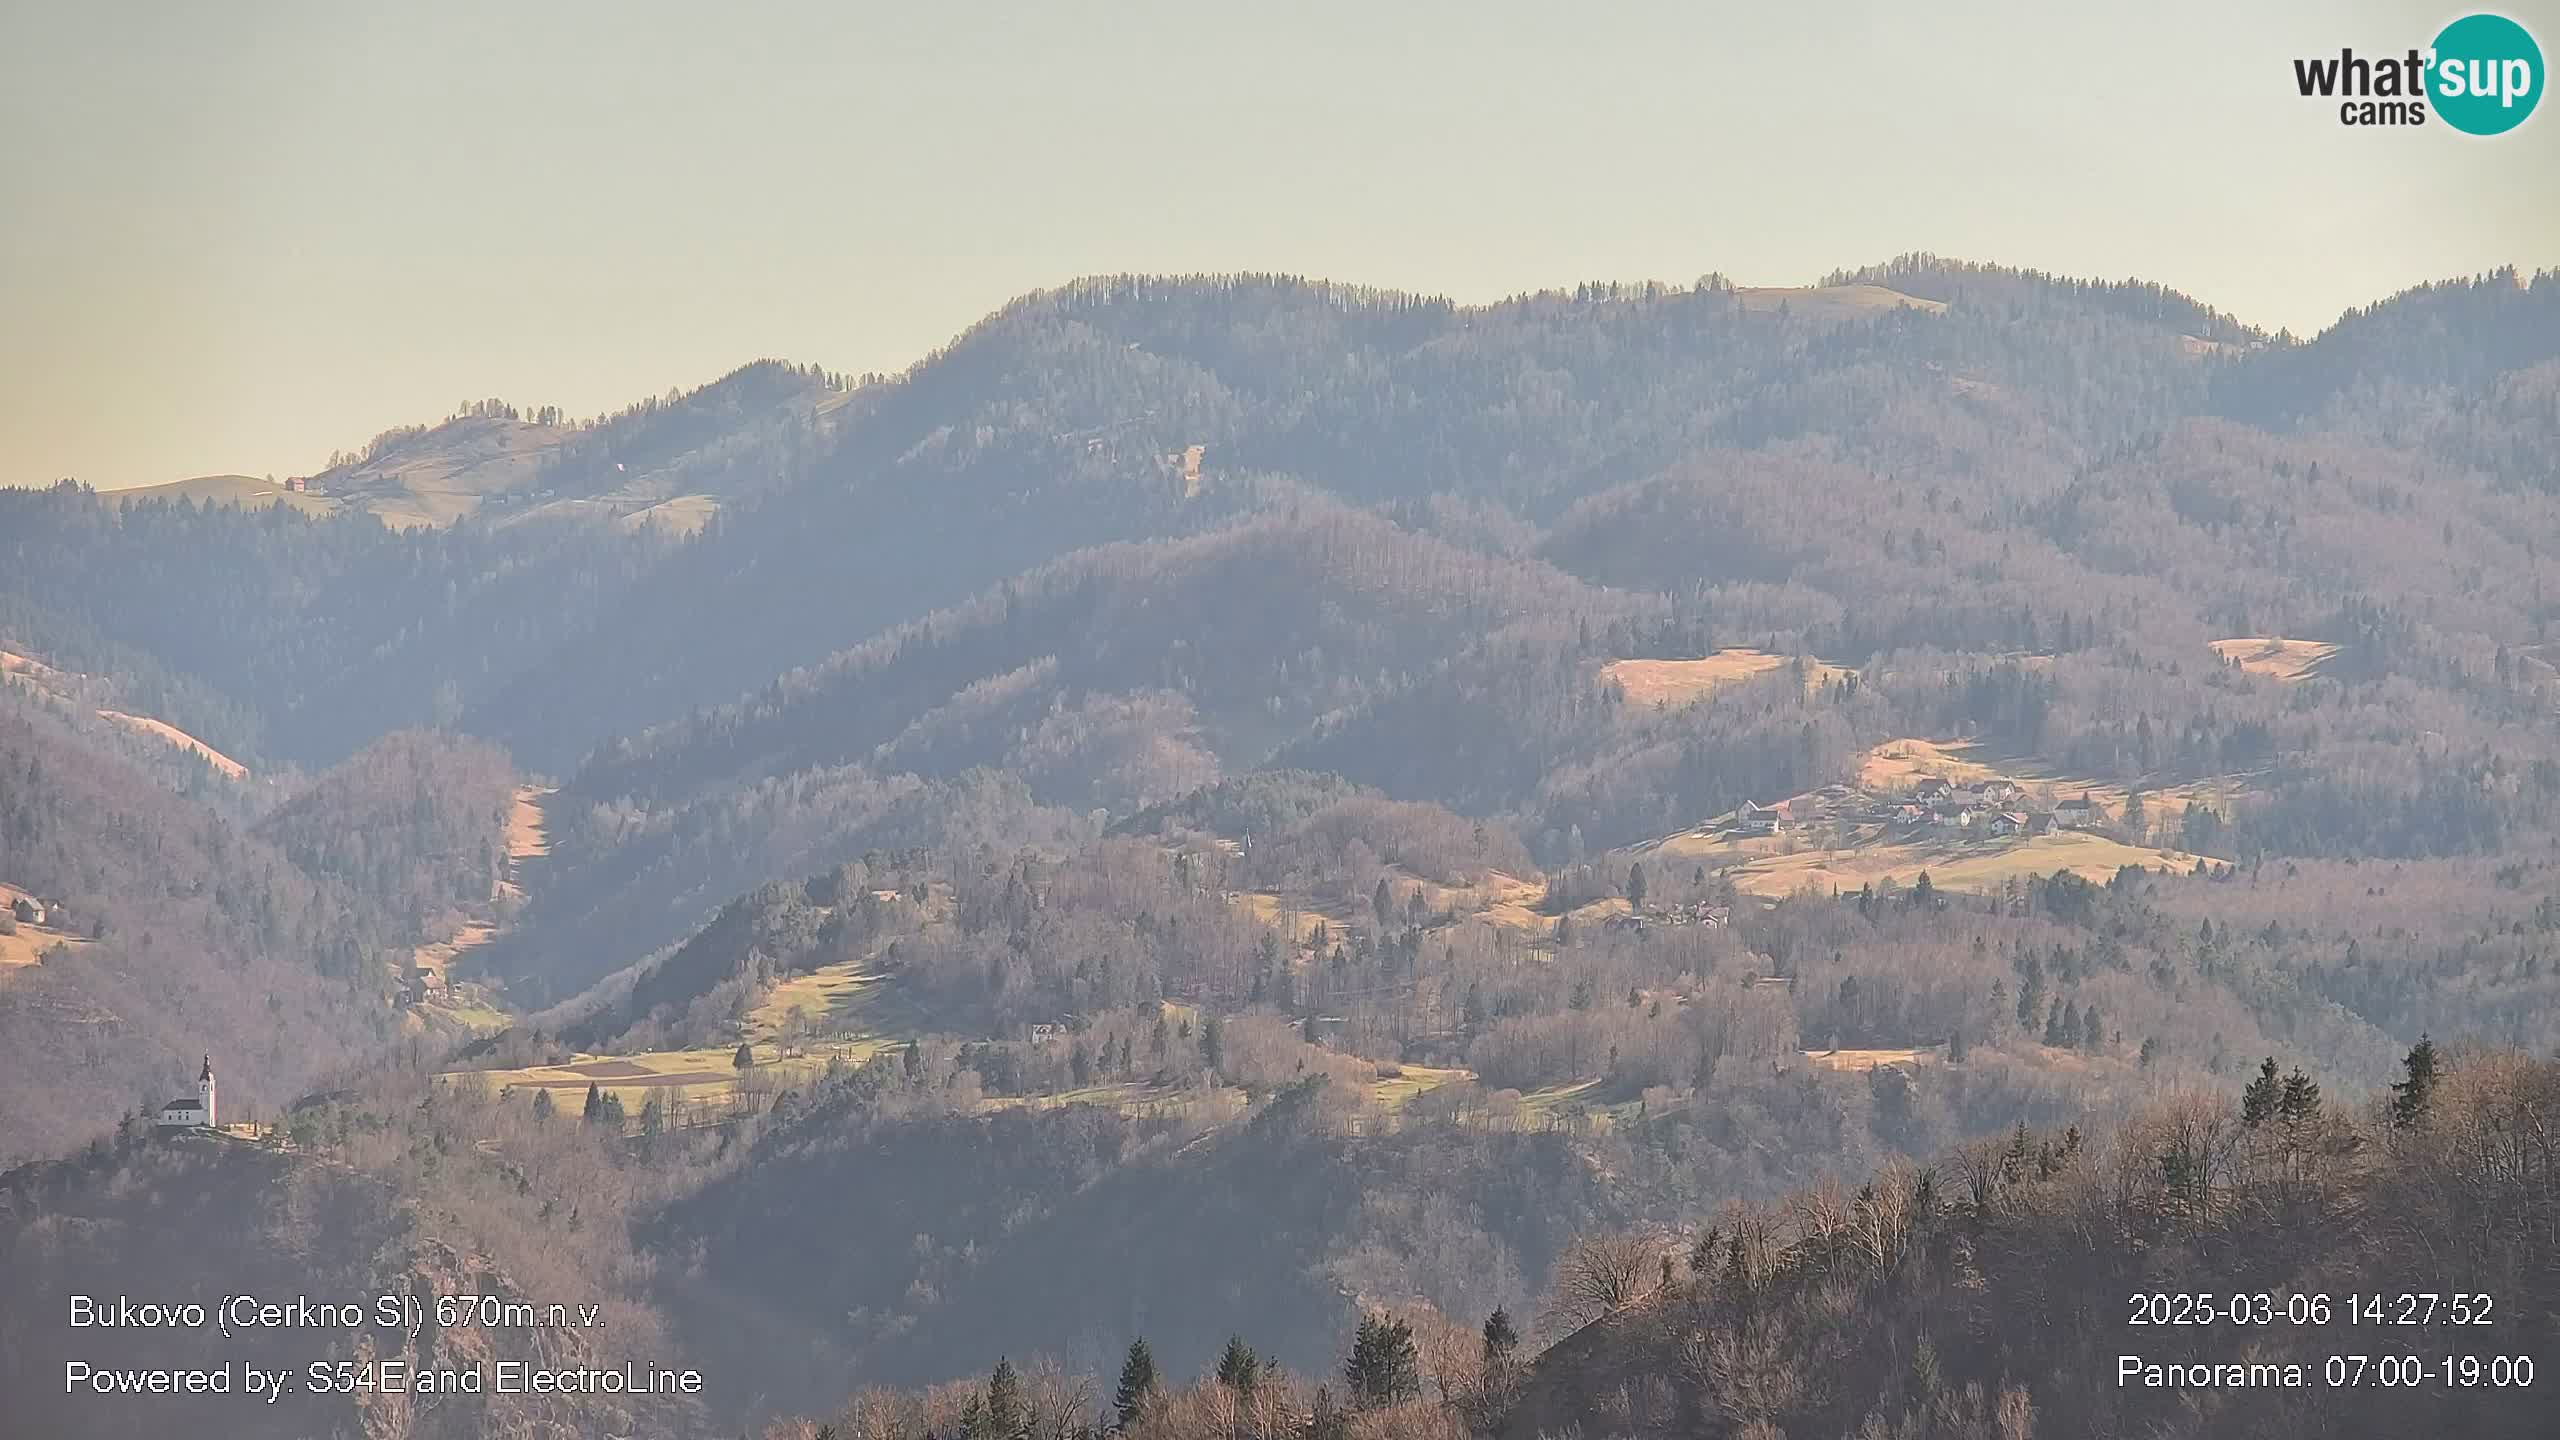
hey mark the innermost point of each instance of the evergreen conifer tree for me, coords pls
(2259, 1100)
(1239, 1369)
(1137, 1383)
(2410, 1097)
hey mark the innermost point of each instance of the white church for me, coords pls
(189, 1111)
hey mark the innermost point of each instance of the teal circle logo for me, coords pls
(2486, 76)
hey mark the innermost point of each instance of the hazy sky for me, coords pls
(239, 235)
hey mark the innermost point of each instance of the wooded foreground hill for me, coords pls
(2271, 1264)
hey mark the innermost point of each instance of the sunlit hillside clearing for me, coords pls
(528, 836)
(438, 476)
(29, 669)
(244, 490)
(849, 1007)
(2275, 658)
(1398, 1085)
(162, 730)
(701, 1077)
(528, 833)
(1682, 682)
(69, 687)
(1832, 302)
(1896, 766)
(682, 515)
(1900, 764)
(1867, 1059)
(1499, 899)
(1971, 866)
(30, 942)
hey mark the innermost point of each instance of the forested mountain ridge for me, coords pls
(1049, 427)
(1357, 793)
(668, 460)
(295, 641)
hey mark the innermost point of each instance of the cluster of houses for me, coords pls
(1995, 808)
(1695, 912)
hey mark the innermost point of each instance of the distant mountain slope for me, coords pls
(131, 696)
(198, 939)
(2465, 371)
(1055, 424)
(1222, 620)
(279, 638)
(2457, 335)
(740, 433)
(247, 491)
(436, 475)
(1139, 408)
(1960, 282)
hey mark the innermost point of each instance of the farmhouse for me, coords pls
(2077, 812)
(2001, 792)
(2009, 822)
(189, 1111)
(1757, 819)
(1930, 789)
(27, 911)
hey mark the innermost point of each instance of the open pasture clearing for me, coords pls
(28, 668)
(69, 686)
(847, 1006)
(1398, 1085)
(1499, 899)
(1853, 1060)
(1900, 764)
(1896, 765)
(1832, 302)
(1976, 867)
(528, 832)
(2275, 657)
(1685, 682)
(437, 958)
(701, 1077)
(438, 478)
(683, 515)
(29, 944)
(244, 490)
(171, 734)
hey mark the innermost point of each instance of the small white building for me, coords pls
(188, 1112)
(1757, 819)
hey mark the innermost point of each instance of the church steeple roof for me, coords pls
(207, 1072)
